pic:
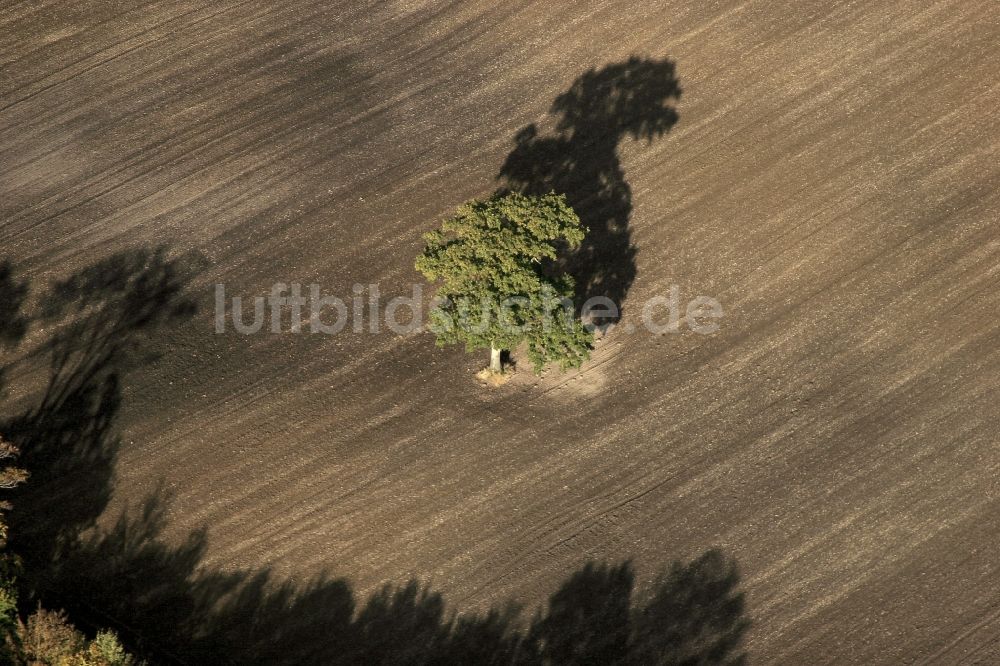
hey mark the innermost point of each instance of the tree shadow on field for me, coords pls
(13, 322)
(97, 318)
(169, 607)
(13, 293)
(692, 615)
(601, 108)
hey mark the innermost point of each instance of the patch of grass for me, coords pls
(495, 379)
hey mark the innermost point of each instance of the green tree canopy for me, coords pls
(496, 261)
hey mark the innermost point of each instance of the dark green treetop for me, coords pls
(496, 263)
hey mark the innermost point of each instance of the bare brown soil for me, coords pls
(830, 177)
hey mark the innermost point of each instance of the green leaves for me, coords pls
(494, 260)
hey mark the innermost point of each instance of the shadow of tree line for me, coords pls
(170, 608)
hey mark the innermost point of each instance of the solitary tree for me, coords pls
(500, 283)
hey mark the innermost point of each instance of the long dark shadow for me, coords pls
(13, 293)
(580, 159)
(168, 607)
(13, 320)
(97, 319)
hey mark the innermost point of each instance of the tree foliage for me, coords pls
(47, 637)
(496, 261)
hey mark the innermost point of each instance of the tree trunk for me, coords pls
(495, 364)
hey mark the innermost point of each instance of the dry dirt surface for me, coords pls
(827, 171)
